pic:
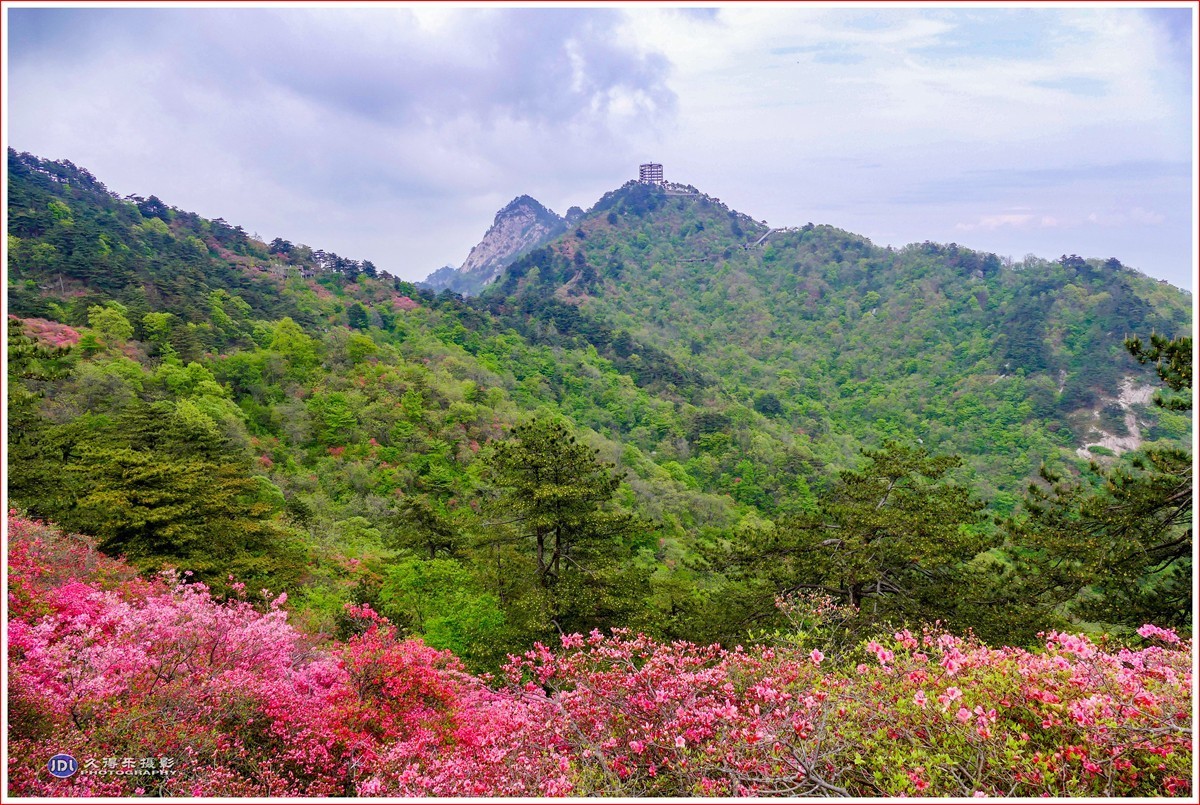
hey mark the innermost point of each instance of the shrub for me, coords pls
(225, 698)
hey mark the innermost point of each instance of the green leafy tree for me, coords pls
(297, 348)
(359, 347)
(553, 488)
(157, 328)
(768, 404)
(334, 417)
(32, 366)
(1172, 359)
(424, 528)
(110, 324)
(440, 600)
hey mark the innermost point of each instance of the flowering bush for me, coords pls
(231, 700)
(50, 333)
(228, 692)
(934, 715)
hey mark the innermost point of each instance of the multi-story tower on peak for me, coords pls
(650, 173)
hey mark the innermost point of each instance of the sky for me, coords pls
(394, 133)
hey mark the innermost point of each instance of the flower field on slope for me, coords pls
(226, 698)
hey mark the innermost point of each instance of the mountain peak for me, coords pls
(519, 227)
(522, 225)
(524, 202)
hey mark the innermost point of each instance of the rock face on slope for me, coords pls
(1115, 423)
(521, 226)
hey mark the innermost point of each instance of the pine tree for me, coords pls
(554, 493)
(357, 316)
(1118, 551)
(162, 493)
(893, 539)
(553, 489)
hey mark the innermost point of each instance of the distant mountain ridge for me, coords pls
(770, 354)
(519, 227)
(843, 341)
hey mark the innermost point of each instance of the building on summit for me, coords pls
(651, 173)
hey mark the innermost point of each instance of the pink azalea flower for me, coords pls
(1149, 630)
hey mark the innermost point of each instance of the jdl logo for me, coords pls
(63, 766)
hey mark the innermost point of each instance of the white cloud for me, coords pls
(997, 221)
(395, 133)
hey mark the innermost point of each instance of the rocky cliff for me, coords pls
(521, 226)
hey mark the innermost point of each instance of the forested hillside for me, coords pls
(656, 422)
(838, 343)
(335, 498)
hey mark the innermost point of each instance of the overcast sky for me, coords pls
(394, 133)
